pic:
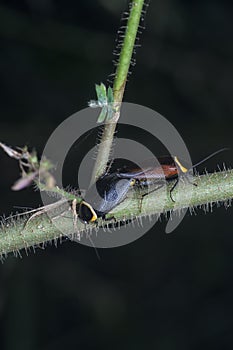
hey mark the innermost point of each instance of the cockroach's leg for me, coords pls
(38, 213)
(146, 194)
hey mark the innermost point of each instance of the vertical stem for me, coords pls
(127, 49)
(104, 148)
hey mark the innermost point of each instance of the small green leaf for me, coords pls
(110, 95)
(101, 93)
(102, 115)
(105, 101)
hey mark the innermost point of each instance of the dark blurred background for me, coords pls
(165, 292)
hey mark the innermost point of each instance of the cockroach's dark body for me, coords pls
(103, 196)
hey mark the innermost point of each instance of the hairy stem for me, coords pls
(104, 148)
(25, 232)
(127, 49)
(209, 189)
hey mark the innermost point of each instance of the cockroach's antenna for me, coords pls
(210, 156)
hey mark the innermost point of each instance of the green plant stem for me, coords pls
(211, 188)
(23, 232)
(105, 146)
(127, 50)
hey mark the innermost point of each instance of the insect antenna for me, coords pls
(210, 156)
